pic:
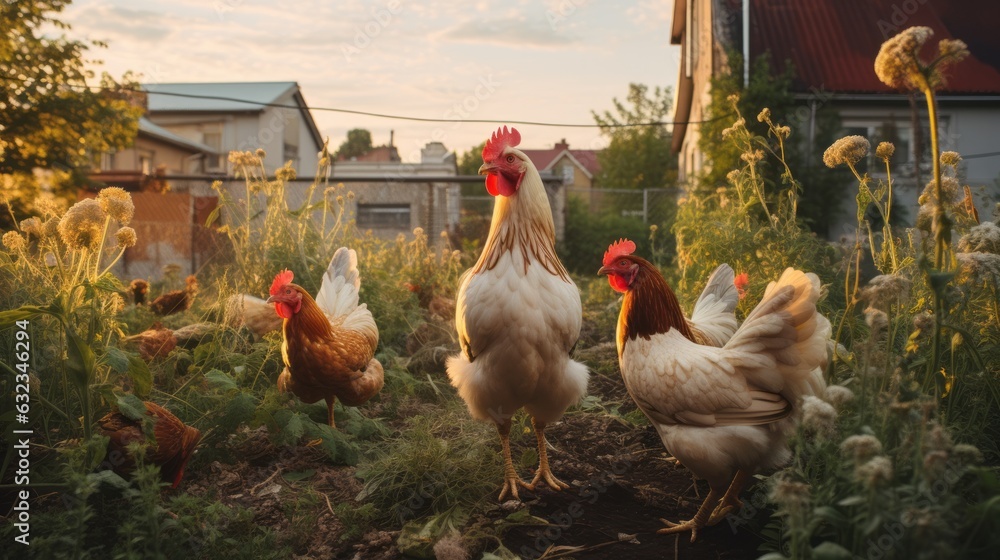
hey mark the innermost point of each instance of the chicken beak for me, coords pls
(485, 169)
(604, 271)
(271, 299)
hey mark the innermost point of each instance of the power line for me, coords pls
(385, 115)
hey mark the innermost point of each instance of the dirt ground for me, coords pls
(621, 480)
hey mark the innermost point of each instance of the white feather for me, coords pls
(338, 295)
(713, 313)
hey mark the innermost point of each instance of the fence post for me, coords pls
(645, 206)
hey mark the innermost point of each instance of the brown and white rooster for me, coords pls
(518, 313)
(329, 343)
(726, 412)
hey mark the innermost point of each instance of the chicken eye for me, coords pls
(623, 263)
(288, 290)
(510, 159)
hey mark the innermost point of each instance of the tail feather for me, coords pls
(713, 317)
(338, 295)
(782, 345)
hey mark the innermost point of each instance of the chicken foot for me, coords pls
(544, 472)
(511, 480)
(730, 502)
(699, 520)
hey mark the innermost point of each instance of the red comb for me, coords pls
(282, 278)
(619, 249)
(501, 139)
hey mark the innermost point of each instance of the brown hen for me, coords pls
(173, 442)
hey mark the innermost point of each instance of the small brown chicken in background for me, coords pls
(138, 289)
(329, 343)
(177, 300)
(158, 341)
(174, 442)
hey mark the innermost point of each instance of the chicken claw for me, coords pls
(544, 472)
(700, 519)
(510, 479)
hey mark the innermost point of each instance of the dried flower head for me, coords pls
(14, 241)
(752, 157)
(733, 176)
(966, 454)
(876, 319)
(51, 227)
(117, 203)
(117, 302)
(789, 494)
(818, 417)
(885, 150)
(984, 238)
(861, 448)
(950, 158)
(849, 150)
(874, 473)
(980, 266)
(884, 290)
(653, 228)
(285, 173)
(783, 131)
(350, 195)
(418, 231)
(733, 98)
(217, 186)
(938, 439)
(260, 153)
(764, 115)
(451, 547)
(340, 200)
(838, 395)
(126, 237)
(924, 321)
(83, 225)
(897, 63)
(32, 226)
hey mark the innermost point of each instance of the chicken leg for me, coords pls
(510, 479)
(700, 519)
(330, 399)
(544, 473)
(730, 502)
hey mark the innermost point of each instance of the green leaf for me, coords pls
(831, 551)
(116, 359)
(220, 379)
(334, 444)
(299, 475)
(293, 429)
(773, 556)
(109, 477)
(81, 360)
(138, 372)
(131, 406)
(524, 517)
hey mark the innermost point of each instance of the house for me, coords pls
(155, 152)
(231, 116)
(578, 169)
(832, 45)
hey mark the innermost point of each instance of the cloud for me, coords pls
(117, 22)
(510, 31)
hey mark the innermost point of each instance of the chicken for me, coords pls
(157, 340)
(138, 288)
(727, 412)
(713, 320)
(329, 343)
(177, 300)
(518, 313)
(173, 442)
(251, 312)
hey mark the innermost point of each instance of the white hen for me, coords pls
(518, 313)
(726, 412)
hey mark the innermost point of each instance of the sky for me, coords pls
(532, 60)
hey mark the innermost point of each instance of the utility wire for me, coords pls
(385, 115)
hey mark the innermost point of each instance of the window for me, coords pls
(383, 216)
(568, 174)
(107, 161)
(213, 140)
(899, 131)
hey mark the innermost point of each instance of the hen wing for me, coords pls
(338, 296)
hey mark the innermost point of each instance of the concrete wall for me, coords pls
(176, 160)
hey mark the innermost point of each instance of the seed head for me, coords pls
(984, 238)
(117, 203)
(285, 173)
(849, 150)
(897, 64)
(885, 150)
(83, 224)
(789, 494)
(838, 395)
(861, 448)
(950, 158)
(31, 226)
(874, 473)
(818, 417)
(14, 241)
(126, 237)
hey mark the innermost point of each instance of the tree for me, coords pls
(638, 156)
(822, 188)
(358, 143)
(50, 118)
(469, 162)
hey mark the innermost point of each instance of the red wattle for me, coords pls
(284, 310)
(618, 283)
(491, 184)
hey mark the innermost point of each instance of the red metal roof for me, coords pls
(833, 43)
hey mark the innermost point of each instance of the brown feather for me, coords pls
(650, 306)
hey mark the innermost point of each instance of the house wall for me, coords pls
(966, 128)
(703, 57)
(175, 159)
